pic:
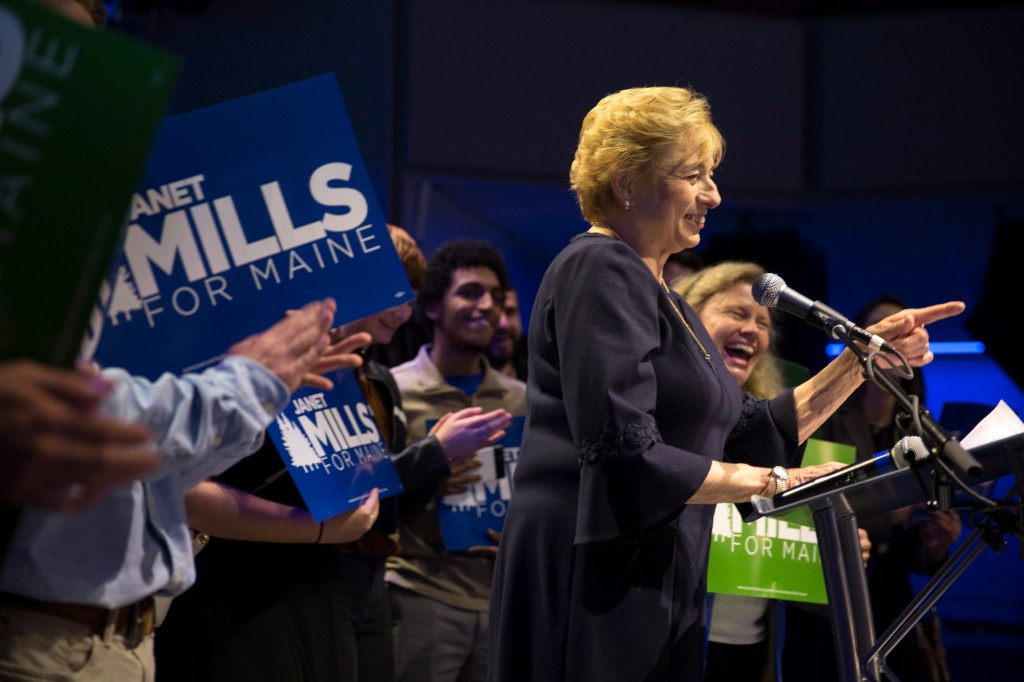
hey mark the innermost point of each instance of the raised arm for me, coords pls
(203, 423)
(816, 400)
(821, 395)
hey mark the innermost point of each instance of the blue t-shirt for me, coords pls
(466, 384)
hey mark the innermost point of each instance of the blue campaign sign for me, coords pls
(466, 518)
(246, 209)
(333, 448)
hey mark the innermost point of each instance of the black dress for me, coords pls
(601, 572)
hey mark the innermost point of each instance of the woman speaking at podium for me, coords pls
(634, 428)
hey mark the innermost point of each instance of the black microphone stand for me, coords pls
(940, 443)
(945, 451)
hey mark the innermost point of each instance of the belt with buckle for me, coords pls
(134, 622)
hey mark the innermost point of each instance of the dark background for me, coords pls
(873, 147)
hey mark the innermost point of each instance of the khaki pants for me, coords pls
(35, 646)
(435, 642)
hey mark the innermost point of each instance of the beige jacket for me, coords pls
(423, 565)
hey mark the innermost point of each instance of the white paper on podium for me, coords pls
(1001, 422)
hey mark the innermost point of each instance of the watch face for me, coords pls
(780, 473)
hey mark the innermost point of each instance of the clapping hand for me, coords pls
(293, 346)
(464, 432)
(339, 354)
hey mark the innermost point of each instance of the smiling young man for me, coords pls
(441, 599)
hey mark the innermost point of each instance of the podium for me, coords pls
(836, 500)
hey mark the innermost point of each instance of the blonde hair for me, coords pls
(765, 380)
(634, 131)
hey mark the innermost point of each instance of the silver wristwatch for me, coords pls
(781, 479)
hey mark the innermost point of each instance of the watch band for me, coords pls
(781, 480)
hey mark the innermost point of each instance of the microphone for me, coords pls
(771, 291)
(906, 451)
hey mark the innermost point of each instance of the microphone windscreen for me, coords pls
(767, 288)
(908, 449)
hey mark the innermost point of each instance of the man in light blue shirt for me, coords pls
(76, 588)
(52, 435)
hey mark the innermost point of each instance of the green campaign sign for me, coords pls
(775, 558)
(78, 109)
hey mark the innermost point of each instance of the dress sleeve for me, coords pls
(603, 322)
(766, 433)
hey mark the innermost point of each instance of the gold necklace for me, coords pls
(612, 234)
(679, 312)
